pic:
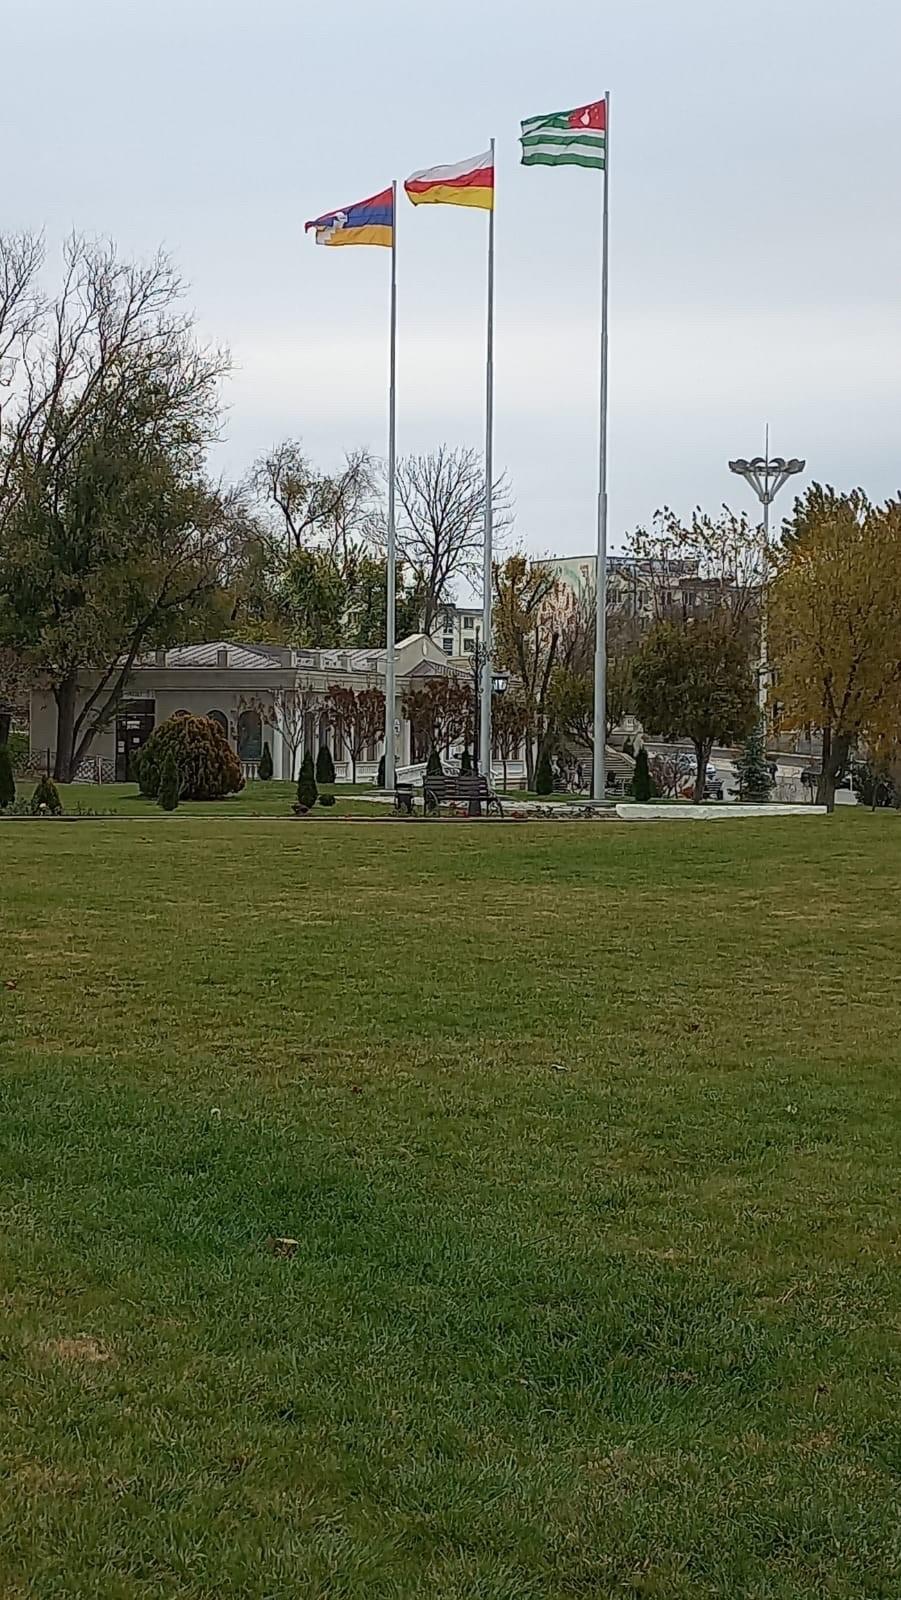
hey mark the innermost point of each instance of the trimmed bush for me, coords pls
(325, 766)
(7, 781)
(207, 766)
(380, 779)
(642, 786)
(307, 792)
(46, 797)
(326, 799)
(544, 777)
(465, 762)
(170, 784)
(433, 766)
(264, 770)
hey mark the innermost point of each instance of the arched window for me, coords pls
(221, 721)
(250, 736)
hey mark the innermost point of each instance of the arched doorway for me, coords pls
(250, 737)
(221, 721)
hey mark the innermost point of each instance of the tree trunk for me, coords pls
(6, 722)
(530, 765)
(65, 695)
(702, 756)
(353, 766)
(835, 754)
(504, 760)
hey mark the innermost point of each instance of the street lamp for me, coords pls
(766, 475)
(481, 662)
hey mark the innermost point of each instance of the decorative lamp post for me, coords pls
(766, 475)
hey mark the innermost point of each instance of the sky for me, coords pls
(755, 231)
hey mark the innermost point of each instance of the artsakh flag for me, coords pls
(367, 222)
(575, 138)
(467, 183)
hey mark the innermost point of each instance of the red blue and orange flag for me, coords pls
(368, 222)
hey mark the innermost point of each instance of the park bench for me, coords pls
(472, 787)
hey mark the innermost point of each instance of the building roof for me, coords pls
(243, 656)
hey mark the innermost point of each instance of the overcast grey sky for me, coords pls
(755, 233)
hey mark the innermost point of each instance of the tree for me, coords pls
(441, 521)
(285, 710)
(111, 541)
(755, 781)
(265, 768)
(509, 725)
(7, 780)
(833, 623)
(358, 717)
(710, 565)
(334, 511)
(695, 682)
(207, 767)
(325, 766)
(439, 710)
(316, 599)
(307, 792)
(530, 619)
(544, 777)
(169, 791)
(14, 687)
(642, 782)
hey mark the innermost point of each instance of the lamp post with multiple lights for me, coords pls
(766, 475)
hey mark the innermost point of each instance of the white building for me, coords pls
(257, 693)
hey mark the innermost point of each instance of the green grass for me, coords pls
(272, 799)
(626, 1329)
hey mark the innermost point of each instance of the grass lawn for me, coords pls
(272, 799)
(590, 1142)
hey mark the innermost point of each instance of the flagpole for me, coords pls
(391, 574)
(487, 563)
(599, 783)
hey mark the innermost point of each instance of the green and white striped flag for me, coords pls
(567, 138)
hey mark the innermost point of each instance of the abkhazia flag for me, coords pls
(567, 138)
(466, 183)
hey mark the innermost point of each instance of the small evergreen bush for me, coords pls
(170, 784)
(326, 799)
(264, 770)
(307, 792)
(325, 766)
(544, 777)
(380, 776)
(755, 781)
(465, 762)
(46, 797)
(433, 767)
(7, 781)
(642, 785)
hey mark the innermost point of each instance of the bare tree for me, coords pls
(336, 511)
(285, 709)
(441, 520)
(711, 564)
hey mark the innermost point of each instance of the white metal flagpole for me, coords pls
(487, 566)
(391, 574)
(599, 782)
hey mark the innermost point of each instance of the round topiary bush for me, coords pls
(207, 766)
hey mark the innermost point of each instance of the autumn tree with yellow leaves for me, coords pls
(834, 610)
